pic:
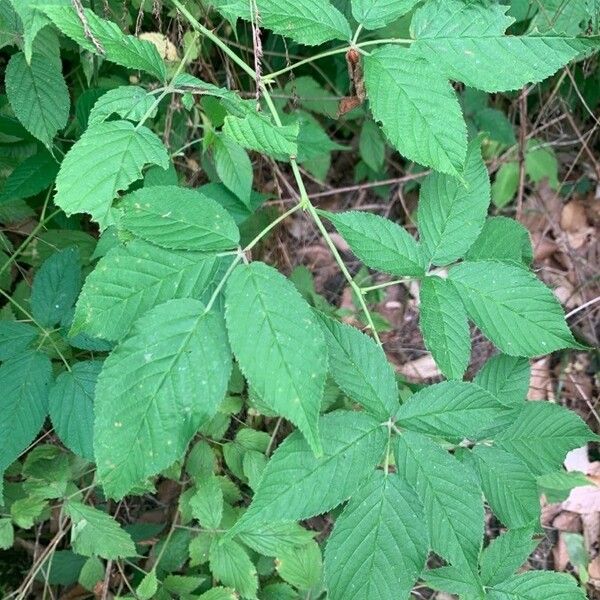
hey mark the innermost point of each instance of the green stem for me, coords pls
(381, 286)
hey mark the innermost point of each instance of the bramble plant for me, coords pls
(166, 328)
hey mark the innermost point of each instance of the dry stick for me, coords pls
(86, 27)
(522, 144)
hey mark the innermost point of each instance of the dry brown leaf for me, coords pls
(420, 369)
(540, 385)
(163, 44)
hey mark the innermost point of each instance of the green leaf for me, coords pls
(451, 499)
(506, 377)
(506, 554)
(505, 186)
(380, 243)
(219, 593)
(466, 42)
(513, 309)
(452, 580)
(312, 96)
(557, 485)
(106, 159)
(537, 585)
(179, 218)
(128, 101)
(278, 344)
(230, 565)
(233, 167)
(452, 212)
(451, 409)
(444, 325)
(309, 22)
(502, 239)
(24, 381)
(254, 132)
(92, 572)
(207, 503)
(297, 485)
(273, 539)
(565, 18)
(496, 124)
(71, 406)
(371, 146)
(541, 163)
(56, 287)
(542, 434)
(15, 338)
(148, 586)
(132, 279)
(508, 485)
(423, 122)
(375, 14)
(301, 566)
(7, 535)
(95, 533)
(30, 177)
(156, 389)
(379, 544)
(359, 366)
(38, 95)
(106, 39)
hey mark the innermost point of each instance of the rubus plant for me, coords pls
(166, 326)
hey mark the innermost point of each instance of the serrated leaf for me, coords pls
(452, 580)
(451, 499)
(24, 381)
(207, 503)
(444, 325)
(451, 409)
(452, 212)
(233, 167)
(178, 218)
(30, 177)
(106, 39)
(297, 485)
(230, 565)
(56, 287)
(502, 238)
(38, 95)
(506, 377)
(91, 573)
(219, 593)
(466, 42)
(542, 434)
(371, 146)
(375, 14)
(300, 566)
(537, 585)
(148, 586)
(15, 338)
(359, 366)
(380, 243)
(95, 533)
(257, 133)
(309, 22)
(506, 554)
(71, 406)
(423, 122)
(278, 343)
(7, 535)
(557, 485)
(379, 544)
(156, 389)
(106, 159)
(272, 539)
(513, 309)
(506, 184)
(128, 101)
(132, 279)
(509, 486)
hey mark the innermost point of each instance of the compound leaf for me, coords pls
(506, 377)
(297, 485)
(359, 366)
(179, 218)
(379, 544)
(107, 40)
(106, 159)
(132, 279)
(278, 344)
(71, 406)
(515, 310)
(38, 95)
(451, 212)
(417, 107)
(94, 533)
(155, 390)
(380, 243)
(231, 565)
(445, 327)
